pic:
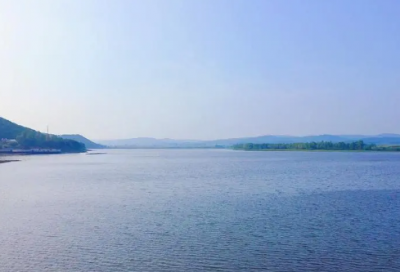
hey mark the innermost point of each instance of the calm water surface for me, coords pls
(201, 210)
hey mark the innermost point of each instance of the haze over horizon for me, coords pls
(201, 69)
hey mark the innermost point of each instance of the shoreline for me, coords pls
(8, 161)
(11, 154)
(318, 150)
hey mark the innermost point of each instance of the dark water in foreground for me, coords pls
(201, 210)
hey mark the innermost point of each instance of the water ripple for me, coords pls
(166, 210)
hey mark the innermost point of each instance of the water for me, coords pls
(201, 210)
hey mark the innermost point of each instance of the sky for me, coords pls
(201, 69)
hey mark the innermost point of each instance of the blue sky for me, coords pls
(201, 69)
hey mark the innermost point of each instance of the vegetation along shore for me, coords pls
(316, 146)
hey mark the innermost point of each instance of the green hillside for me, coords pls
(10, 130)
(28, 138)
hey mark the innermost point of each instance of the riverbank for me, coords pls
(33, 151)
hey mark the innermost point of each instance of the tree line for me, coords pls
(358, 145)
(34, 139)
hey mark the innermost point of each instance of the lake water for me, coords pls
(201, 210)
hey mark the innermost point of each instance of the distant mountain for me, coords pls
(260, 139)
(83, 140)
(150, 142)
(388, 135)
(27, 138)
(278, 139)
(382, 139)
(324, 138)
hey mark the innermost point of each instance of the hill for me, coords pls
(10, 130)
(147, 142)
(79, 138)
(382, 139)
(28, 138)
